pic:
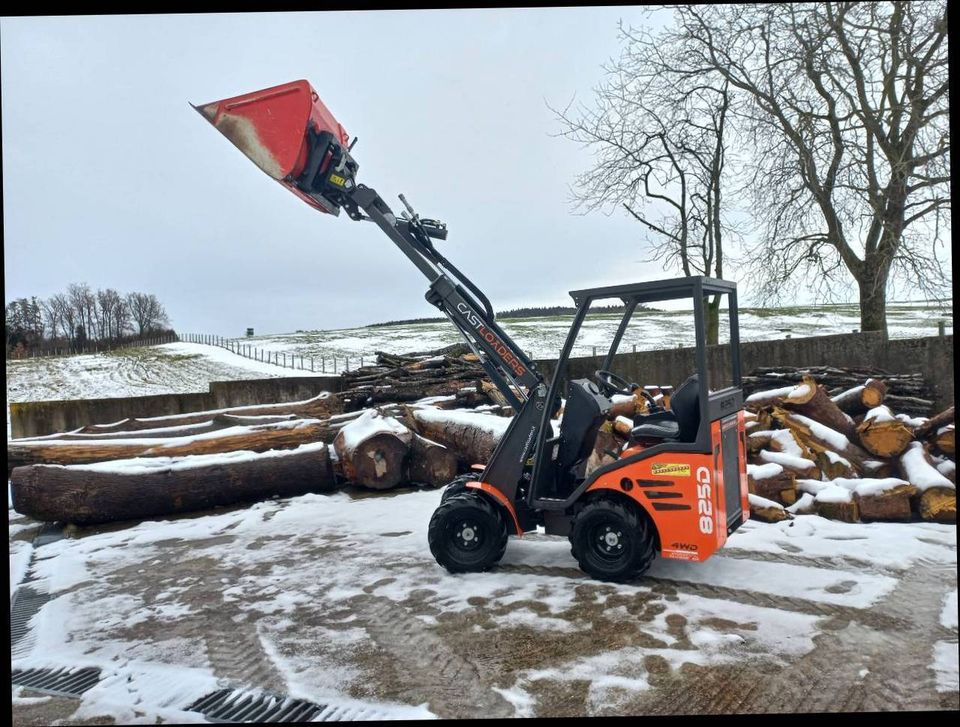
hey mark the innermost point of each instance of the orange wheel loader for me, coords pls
(679, 485)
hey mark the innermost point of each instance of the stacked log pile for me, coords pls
(853, 453)
(906, 393)
(407, 378)
(364, 436)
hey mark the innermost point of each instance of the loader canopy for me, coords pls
(289, 133)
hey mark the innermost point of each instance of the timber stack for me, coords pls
(847, 452)
(852, 452)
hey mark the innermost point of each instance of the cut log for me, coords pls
(318, 407)
(606, 448)
(372, 450)
(766, 511)
(430, 463)
(836, 503)
(772, 482)
(141, 488)
(759, 440)
(884, 499)
(833, 465)
(797, 466)
(261, 438)
(937, 500)
(821, 438)
(934, 423)
(220, 421)
(945, 440)
(472, 436)
(939, 505)
(794, 394)
(861, 398)
(821, 408)
(882, 434)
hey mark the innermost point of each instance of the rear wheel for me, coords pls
(467, 533)
(611, 542)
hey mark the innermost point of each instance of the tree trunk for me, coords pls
(255, 439)
(472, 436)
(873, 295)
(321, 405)
(430, 463)
(109, 492)
(372, 451)
(822, 409)
(713, 321)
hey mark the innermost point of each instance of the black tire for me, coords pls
(611, 542)
(456, 487)
(467, 533)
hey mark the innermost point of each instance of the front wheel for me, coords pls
(611, 542)
(467, 534)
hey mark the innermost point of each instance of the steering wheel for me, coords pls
(613, 384)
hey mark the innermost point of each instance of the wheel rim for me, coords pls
(466, 535)
(608, 540)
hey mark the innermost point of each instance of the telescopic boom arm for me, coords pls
(290, 134)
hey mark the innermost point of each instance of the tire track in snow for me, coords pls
(435, 673)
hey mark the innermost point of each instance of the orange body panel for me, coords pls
(683, 492)
(502, 499)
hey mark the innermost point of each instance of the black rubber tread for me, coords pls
(457, 486)
(479, 507)
(643, 541)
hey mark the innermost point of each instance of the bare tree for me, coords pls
(84, 308)
(847, 114)
(147, 312)
(660, 145)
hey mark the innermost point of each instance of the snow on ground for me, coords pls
(172, 368)
(544, 337)
(948, 617)
(945, 665)
(889, 545)
(304, 578)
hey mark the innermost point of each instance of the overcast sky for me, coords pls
(110, 178)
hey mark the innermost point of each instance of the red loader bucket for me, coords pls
(271, 128)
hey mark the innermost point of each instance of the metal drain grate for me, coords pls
(233, 705)
(59, 682)
(26, 603)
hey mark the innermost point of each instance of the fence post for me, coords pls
(284, 359)
(323, 364)
(311, 363)
(941, 328)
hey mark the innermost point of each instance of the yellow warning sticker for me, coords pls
(676, 470)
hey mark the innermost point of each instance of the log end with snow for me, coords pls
(766, 510)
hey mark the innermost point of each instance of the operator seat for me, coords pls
(681, 423)
(584, 414)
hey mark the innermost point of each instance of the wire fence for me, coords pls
(284, 359)
(21, 354)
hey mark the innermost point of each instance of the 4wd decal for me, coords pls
(679, 470)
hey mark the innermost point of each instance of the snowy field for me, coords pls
(544, 337)
(171, 368)
(336, 599)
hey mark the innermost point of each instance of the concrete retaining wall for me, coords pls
(36, 418)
